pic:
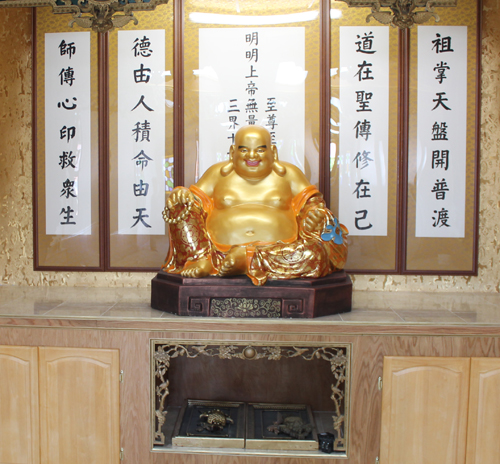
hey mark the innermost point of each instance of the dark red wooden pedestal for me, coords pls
(238, 297)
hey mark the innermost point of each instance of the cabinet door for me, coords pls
(19, 442)
(79, 406)
(483, 437)
(424, 410)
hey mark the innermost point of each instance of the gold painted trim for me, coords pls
(101, 15)
(401, 13)
(337, 354)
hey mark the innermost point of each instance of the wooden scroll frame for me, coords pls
(400, 266)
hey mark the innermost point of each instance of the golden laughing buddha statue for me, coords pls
(253, 215)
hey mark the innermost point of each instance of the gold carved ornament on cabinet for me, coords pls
(337, 356)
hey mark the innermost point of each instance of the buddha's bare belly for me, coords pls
(251, 223)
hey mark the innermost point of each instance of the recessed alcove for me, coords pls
(313, 375)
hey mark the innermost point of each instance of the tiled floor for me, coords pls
(368, 307)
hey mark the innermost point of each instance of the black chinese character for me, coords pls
(67, 49)
(363, 99)
(68, 189)
(364, 72)
(440, 188)
(362, 189)
(357, 220)
(251, 88)
(68, 132)
(142, 131)
(143, 103)
(142, 159)
(252, 119)
(365, 43)
(252, 55)
(66, 101)
(439, 132)
(441, 69)
(67, 76)
(232, 122)
(233, 107)
(442, 44)
(252, 38)
(440, 159)
(362, 158)
(251, 106)
(271, 121)
(142, 75)
(440, 101)
(441, 219)
(66, 160)
(363, 129)
(141, 47)
(271, 105)
(252, 73)
(141, 189)
(140, 217)
(67, 216)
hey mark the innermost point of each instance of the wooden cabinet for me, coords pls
(483, 436)
(430, 416)
(77, 420)
(19, 433)
(370, 345)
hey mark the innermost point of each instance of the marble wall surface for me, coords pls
(16, 213)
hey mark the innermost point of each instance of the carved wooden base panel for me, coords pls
(221, 373)
(238, 297)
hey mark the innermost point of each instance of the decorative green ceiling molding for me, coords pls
(401, 13)
(98, 15)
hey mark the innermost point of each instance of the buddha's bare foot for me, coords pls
(235, 263)
(199, 268)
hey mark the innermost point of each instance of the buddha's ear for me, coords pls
(278, 168)
(229, 166)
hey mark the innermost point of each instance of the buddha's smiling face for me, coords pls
(253, 154)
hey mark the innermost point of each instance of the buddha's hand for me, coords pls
(181, 196)
(314, 221)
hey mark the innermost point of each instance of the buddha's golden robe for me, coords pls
(306, 255)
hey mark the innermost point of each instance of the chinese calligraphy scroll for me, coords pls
(67, 133)
(443, 145)
(441, 131)
(364, 131)
(141, 132)
(264, 84)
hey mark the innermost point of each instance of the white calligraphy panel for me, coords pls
(141, 132)
(67, 134)
(441, 131)
(251, 76)
(364, 129)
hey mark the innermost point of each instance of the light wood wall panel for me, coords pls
(134, 392)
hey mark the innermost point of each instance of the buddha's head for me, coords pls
(253, 156)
